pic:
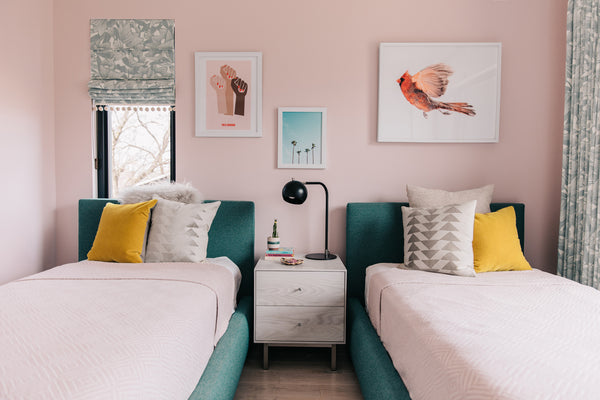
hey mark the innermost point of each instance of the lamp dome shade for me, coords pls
(294, 192)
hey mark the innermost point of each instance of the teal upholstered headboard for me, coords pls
(231, 234)
(374, 234)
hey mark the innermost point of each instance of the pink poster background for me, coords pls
(217, 121)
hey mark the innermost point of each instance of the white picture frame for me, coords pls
(223, 109)
(301, 138)
(475, 79)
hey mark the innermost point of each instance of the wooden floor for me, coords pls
(297, 373)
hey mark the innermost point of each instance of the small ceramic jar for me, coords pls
(273, 243)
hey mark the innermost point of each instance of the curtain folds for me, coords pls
(579, 236)
(132, 61)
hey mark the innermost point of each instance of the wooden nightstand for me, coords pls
(303, 305)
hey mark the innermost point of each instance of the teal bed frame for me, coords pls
(374, 234)
(232, 235)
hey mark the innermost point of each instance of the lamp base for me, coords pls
(321, 256)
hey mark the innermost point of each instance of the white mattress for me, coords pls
(95, 330)
(501, 335)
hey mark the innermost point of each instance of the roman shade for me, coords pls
(132, 61)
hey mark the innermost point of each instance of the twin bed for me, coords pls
(172, 330)
(117, 330)
(501, 335)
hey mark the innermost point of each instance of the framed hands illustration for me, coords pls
(228, 94)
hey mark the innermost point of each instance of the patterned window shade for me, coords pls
(132, 61)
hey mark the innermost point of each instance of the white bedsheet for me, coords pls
(501, 335)
(95, 330)
(235, 273)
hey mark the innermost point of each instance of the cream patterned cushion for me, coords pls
(440, 239)
(179, 231)
(423, 197)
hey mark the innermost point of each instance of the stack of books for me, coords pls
(282, 252)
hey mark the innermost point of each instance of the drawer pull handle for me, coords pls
(299, 289)
(299, 324)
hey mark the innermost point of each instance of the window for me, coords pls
(135, 146)
(133, 66)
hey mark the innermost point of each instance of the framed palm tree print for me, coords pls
(301, 137)
(228, 94)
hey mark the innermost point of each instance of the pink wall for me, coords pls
(325, 53)
(27, 202)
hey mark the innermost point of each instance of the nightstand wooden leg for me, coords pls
(265, 356)
(333, 357)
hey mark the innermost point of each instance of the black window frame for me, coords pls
(102, 149)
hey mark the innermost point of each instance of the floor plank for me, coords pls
(297, 373)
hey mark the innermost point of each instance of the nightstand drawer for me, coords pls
(300, 288)
(299, 324)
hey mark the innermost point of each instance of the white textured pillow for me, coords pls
(423, 197)
(440, 239)
(179, 232)
(181, 192)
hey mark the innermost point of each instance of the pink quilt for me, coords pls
(501, 335)
(95, 330)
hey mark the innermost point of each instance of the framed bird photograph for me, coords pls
(439, 92)
(301, 137)
(228, 94)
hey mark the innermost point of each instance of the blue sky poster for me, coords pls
(302, 138)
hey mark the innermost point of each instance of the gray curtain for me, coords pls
(579, 238)
(132, 61)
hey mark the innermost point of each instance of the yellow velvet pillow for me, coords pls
(496, 245)
(121, 232)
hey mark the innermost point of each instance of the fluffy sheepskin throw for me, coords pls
(181, 192)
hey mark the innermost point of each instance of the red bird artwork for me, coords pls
(420, 88)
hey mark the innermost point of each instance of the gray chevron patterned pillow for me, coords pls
(440, 239)
(179, 232)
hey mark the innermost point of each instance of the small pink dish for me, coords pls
(291, 261)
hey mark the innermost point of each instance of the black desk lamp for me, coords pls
(295, 192)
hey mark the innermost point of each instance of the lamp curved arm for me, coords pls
(326, 213)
